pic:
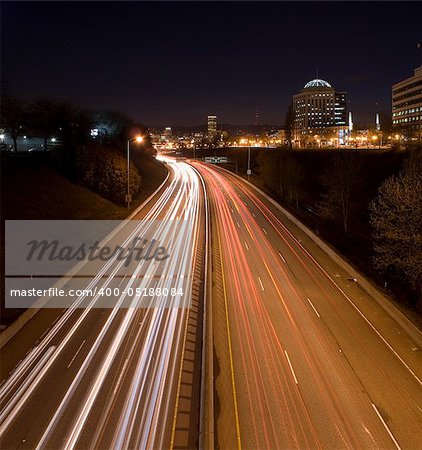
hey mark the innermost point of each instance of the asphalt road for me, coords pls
(92, 377)
(304, 357)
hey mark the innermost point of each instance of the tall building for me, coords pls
(377, 122)
(407, 105)
(320, 115)
(212, 124)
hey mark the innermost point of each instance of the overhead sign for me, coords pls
(216, 159)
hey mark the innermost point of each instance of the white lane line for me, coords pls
(246, 245)
(246, 203)
(232, 209)
(300, 245)
(264, 230)
(253, 214)
(238, 224)
(123, 279)
(291, 367)
(76, 354)
(386, 427)
(313, 307)
(260, 282)
(282, 257)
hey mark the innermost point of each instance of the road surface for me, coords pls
(108, 378)
(305, 358)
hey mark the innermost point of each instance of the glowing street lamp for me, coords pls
(138, 139)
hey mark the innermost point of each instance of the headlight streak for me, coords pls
(158, 360)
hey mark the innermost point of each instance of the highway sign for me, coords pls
(216, 159)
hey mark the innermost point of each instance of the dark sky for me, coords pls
(174, 63)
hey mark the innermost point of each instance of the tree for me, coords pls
(104, 171)
(43, 118)
(281, 173)
(13, 118)
(340, 181)
(396, 220)
(289, 124)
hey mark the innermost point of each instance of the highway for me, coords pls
(93, 377)
(304, 357)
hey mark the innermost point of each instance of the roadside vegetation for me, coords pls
(357, 201)
(75, 175)
(367, 204)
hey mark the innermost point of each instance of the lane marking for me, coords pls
(260, 282)
(313, 307)
(238, 224)
(300, 245)
(236, 412)
(264, 230)
(253, 214)
(282, 257)
(246, 245)
(76, 354)
(291, 367)
(386, 427)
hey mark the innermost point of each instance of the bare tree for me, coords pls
(13, 118)
(43, 112)
(396, 219)
(340, 180)
(289, 124)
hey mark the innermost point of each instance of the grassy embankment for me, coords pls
(32, 189)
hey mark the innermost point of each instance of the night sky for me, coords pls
(174, 63)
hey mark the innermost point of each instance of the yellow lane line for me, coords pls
(236, 413)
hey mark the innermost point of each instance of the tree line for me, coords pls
(89, 146)
(348, 194)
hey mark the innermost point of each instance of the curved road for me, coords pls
(108, 378)
(305, 357)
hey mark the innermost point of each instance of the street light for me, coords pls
(249, 171)
(137, 139)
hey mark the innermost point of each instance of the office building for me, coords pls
(320, 115)
(212, 125)
(407, 105)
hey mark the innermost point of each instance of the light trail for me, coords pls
(281, 321)
(149, 396)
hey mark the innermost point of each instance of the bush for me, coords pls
(104, 171)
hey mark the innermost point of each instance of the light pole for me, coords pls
(249, 172)
(128, 196)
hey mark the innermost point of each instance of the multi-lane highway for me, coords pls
(110, 378)
(305, 358)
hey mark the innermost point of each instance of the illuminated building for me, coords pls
(407, 105)
(320, 116)
(168, 134)
(212, 124)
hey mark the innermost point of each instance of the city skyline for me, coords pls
(182, 61)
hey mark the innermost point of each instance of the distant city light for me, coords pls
(53, 139)
(2, 136)
(139, 138)
(24, 137)
(94, 132)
